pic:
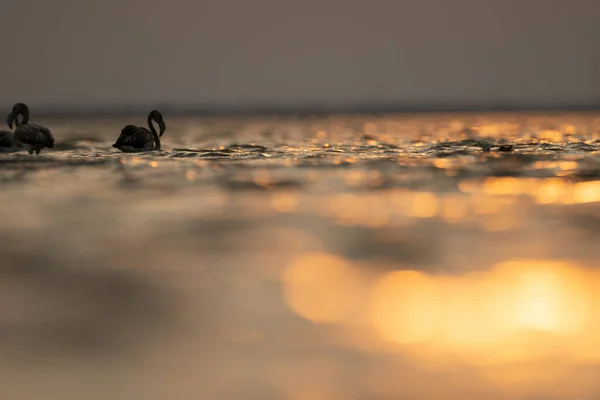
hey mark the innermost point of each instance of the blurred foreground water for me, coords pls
(346, 257)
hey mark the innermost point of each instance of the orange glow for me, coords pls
(587, 192)
(551, 136)
(133, 161)
(322, 288)
(453, 208)
(544, 296)
(552, 191)
(519, 310)
(487, 205)
(425, 205)
(405, 307)
(466, 319)
(442, 163)
(497, 193)
(567, 165)
(284, 202)
(468, 185)
(489, 130)
(569, 129)
(502, 186)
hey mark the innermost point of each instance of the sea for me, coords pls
(305, 257)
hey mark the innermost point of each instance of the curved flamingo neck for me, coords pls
(154, 133)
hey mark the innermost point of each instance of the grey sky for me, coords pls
(104, 54)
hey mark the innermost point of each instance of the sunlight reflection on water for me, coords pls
(349, 257)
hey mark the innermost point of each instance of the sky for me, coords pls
(109, 55)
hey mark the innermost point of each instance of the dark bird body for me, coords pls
(7, 145)
(32, 137)
(137, 139)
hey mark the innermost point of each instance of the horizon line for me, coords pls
(312, 110)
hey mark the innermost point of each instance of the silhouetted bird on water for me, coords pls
(135, 138)
(32, 137)
(7, 145)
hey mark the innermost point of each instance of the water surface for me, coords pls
(430, 256)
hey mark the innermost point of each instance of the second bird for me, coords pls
(32, 137)
(136, 138)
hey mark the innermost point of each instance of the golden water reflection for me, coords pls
(543, 191)
(321, 287)
(363, 258)
(516, 311)
(497, 204)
